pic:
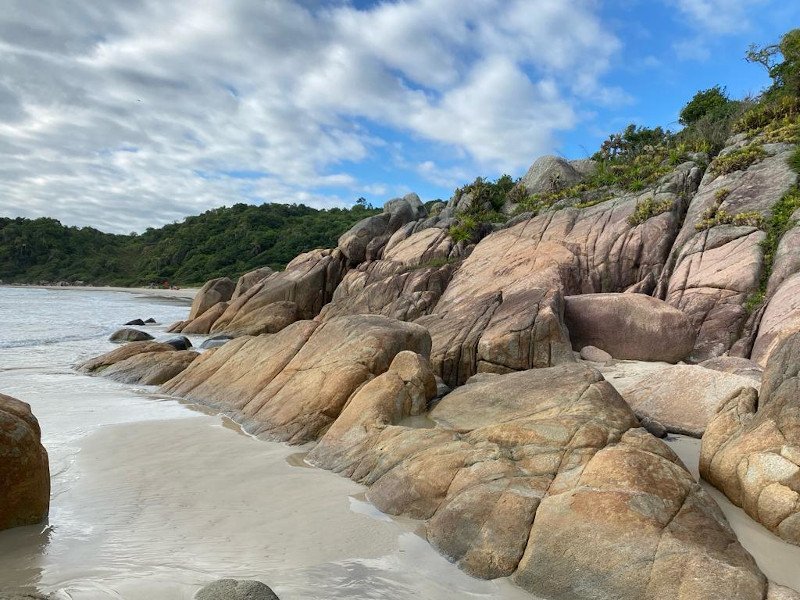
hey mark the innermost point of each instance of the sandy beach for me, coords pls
(181, 294)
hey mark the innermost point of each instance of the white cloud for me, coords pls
(129, 113)
(717, 16)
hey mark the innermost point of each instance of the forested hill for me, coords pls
(223, 241)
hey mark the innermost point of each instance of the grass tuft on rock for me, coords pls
(649, 208)
(738, 160)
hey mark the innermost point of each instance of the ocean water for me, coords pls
(152, 498)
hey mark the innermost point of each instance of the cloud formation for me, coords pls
(124, 114)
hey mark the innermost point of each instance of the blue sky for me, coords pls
(127, 114)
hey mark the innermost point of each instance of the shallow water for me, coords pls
(151, 499)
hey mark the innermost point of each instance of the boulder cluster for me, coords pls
(542, 357)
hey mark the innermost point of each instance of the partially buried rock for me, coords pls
(215, 342)
(234, 589)
(24, 469)
(179, 343)
(128, 334)
(594, 354)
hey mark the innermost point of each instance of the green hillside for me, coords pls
(223, 241)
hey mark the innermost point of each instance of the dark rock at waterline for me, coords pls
(233, 589)
(215, 342)
(24, 468)
(180, 342)
(137, 322)
(150, 321)
(129, 335)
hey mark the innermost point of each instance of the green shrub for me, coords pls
(713, 103)
(766, 112)
(738, 160)
(649, 208)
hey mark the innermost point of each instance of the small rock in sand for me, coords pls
(233, 589)
(595, 354)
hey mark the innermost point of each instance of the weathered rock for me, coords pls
(150, 368)
(503, 309)
(128, 334)
(120, 354)
(736, 366)
(215, 342)
(248, 280)
(214, 291)
(138, 322)
(24, 469)
(298, 292)
(654, 427)
(780, 320)
(629, 326)
(177, 326)
(180, 342)
(405, 284)
(751, 450)
(778, 592)
(594, 354)
(683, 398)
(711, 273)
(202, 324)
(292, 385)
(549, 174)
(558, 489)
(397, 213)
(233, 589)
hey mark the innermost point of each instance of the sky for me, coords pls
(129, 114)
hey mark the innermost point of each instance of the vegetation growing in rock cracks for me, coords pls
(486, 199)
(738, 160)
(649, 208)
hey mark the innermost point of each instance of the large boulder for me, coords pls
(24, 468)
(250, 279)
(128, 334)
(202, 324)
(298, 292)
(550, 174)
(629, 326)
(376, 230)
(560, 490)
(682, 398)
(751, 450)
(292, 385)
(214, 291)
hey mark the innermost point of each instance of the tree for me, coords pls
(781, 60)
(713, 102)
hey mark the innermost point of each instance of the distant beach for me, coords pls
(183, 293)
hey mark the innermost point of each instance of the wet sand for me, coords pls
(779, 560)
(187, 294)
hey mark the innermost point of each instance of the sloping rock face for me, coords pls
(683, 398)
(713, 271)
(751, 450)
(503, 309)
(150, 368)
(629, 326)
(292, 385)
(298, 292)
(143, 363)
(214, 291)
(203, 323)
(24, 468)
(250, 279)
(542, 475)
(405, 284)
(781, 318)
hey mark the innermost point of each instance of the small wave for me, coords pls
(47, 341)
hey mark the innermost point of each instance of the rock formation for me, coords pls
(751, 450)
(24, 469)
(145, 363)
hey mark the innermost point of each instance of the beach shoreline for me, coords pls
(187, 294)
